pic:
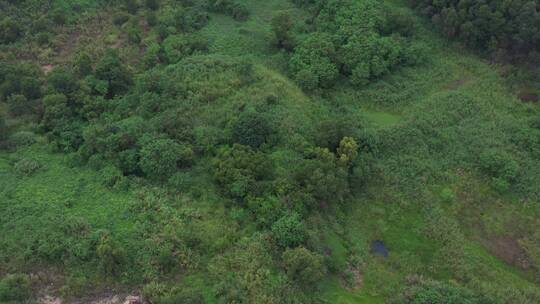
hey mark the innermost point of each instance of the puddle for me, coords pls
(378, 248)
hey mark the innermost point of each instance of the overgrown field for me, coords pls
(325, 151)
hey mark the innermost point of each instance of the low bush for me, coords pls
(15, 288)
(27, 166)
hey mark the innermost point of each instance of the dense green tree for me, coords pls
(111, 70)
(322, 177)
(282, 26)
(240, 170)
(303, 266)
(3, 127)
(312, 63)
(488, 25)
(423, 291)
(19, 79)
(289, 230)
(111, 254)
(152, 4)
(161, 158)
(10, 30)
(15, 288)
(62, 81)
(251, 129)
(178, 47)
(19, 105)
(56, 111)
(83, 64)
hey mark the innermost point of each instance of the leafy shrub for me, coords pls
(498, 163)
(10, 30)
(282, 25)
(27, 166)
(83, 64)
(421, 291)
(20, 79)
(289, 231)
(161, 158)
(178, 47)
(18, 105)
(251, 129)
(322, 177)
(43, 38)
(15, 287)
(22, 138)
(447, 195)
(56, 111)
(239, 11)
(239, 170)
(113, 72)
(181, 181)
(303, 266)
(491, 26)
(120, 18)
(111, 255)
(134, 35)
(62, 81)
(312, 63)
(152, 4)
(110, 176)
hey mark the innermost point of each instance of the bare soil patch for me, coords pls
(528, 97)
(508, 249)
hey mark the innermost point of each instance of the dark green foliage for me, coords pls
(131, 6)
(43, 38)
(241, 170)
(134, 35)
(56, 111)
(83, 64)
(313, 64)
(152, 4)
(352, 38)
(303, 266)
(62, 81)
(161, 158)
(3, 127)
(110, 175)
(423, 291)
(58, 16)
(176, 20)
(500, 166)
(20, 79)
(111, 254)
(120, 18)
(15, 287)
(282, 26)
(10, 30)
(252, 129)
(237, 10)
(113, 72)
(322, 177)
(22, 138)
(26, 166)
(289, 231)
(513, 27)
(178, 47)
(18, 105)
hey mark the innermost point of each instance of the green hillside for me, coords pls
(280, 151)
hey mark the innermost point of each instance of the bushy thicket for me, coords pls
(505, 27)
(354, 39)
